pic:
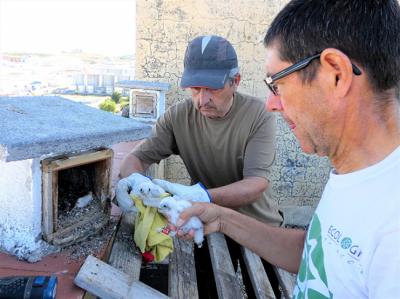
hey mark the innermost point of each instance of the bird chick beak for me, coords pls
(162, 210)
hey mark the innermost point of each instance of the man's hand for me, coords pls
(208, 213)
(194, 193)
(122, 195)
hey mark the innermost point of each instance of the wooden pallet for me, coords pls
(125, 263)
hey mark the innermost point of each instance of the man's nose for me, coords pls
(204, 96)
(273, 103)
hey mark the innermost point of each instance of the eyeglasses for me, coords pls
(270, 80)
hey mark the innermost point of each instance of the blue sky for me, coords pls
(50, 26)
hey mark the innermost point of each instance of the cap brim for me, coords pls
(214, 79)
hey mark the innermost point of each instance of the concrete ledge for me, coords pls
(32, 127)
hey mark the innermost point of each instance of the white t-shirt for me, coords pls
(352, 248)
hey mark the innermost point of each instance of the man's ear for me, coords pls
(338, 71)
(236, 81)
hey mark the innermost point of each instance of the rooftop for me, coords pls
(33, 127)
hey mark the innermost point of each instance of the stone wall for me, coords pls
(163, 30)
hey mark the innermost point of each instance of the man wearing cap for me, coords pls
(333, 71)
(226, 139)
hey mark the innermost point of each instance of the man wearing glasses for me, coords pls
(225, 138)
(333, 72)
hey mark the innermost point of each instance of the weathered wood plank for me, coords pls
(48, 188)
(224, 273)
(84, 158)
(258, 277)
(124, 255)
(102, 280)
(92, 216)
(89, 296)
(102, 178)
(287, 281)
(107, 282)
(182, 280)
(141, 290)
(65, 239)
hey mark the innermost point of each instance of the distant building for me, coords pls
(79, 82)
(99, 81)
(108, 83)
(35, 85)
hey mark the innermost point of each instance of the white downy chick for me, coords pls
(148, 192)
(84, 200)
(140, 186)
(172, 208)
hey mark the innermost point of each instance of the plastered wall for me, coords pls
(163, 30)
(20, 213)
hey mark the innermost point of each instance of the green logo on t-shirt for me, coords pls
(311, 280)
(346, 243)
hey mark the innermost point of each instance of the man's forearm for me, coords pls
(131, 164)
(279, 246)
(240, 193)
